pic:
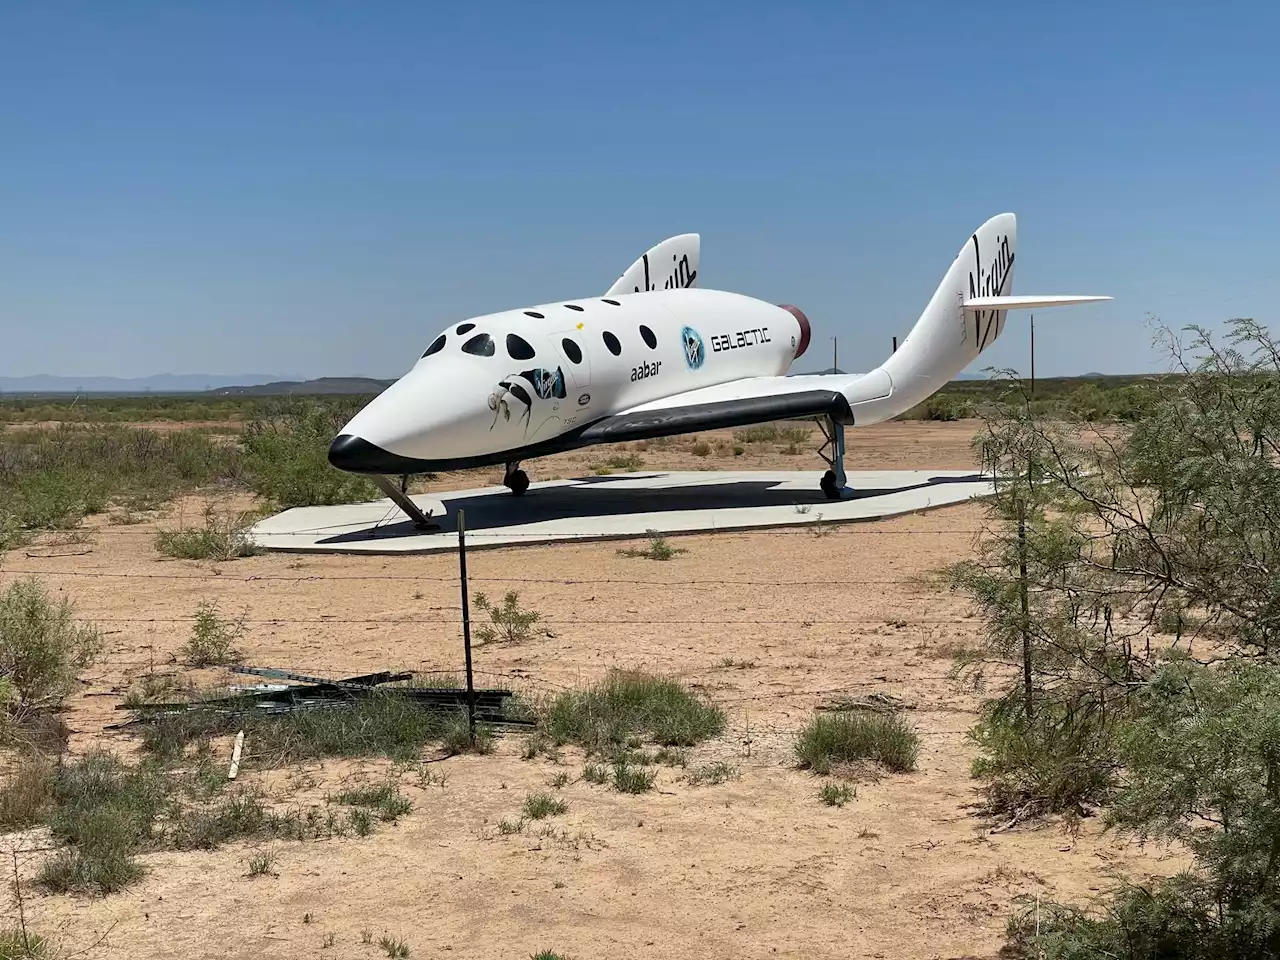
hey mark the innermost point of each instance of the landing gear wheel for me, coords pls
(517, 482)
(829, 487)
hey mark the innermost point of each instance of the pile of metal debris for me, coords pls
(303, 692)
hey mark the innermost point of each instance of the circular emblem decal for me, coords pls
(694, 350)
(584, 399)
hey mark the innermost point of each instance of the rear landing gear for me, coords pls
(516, 480)
(834, 482)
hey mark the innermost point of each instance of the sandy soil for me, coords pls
(768, 624)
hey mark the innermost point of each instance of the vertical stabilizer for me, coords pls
(670, 265)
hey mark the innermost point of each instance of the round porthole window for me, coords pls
(571, 350)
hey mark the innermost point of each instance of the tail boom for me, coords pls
(965, 316)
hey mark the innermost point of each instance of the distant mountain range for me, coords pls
(161, 383)
(319, 385)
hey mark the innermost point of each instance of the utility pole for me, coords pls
(1033, 354)
(895, 344)
(835, 365)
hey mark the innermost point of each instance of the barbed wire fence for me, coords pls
(928, 591)
(751, 711)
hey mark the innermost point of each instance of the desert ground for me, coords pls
(770, 625)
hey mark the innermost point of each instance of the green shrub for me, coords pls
(836, 794)
(286, 456)
(508, 622)
(712, 774)
(1047, 766)
(629, 779)
(380, 725)
(946, 408)
(213, 638)
(1200, 759)
(263, 864)
(42, 648)
(50, 479)
(538, 806)
(760, 433)
(456, 735)
(384, 799)
(629, 461)
(221, 538)
(98, 869)
(54, 500)
(627, 703)
(836, 738)
(106, 812)
(794, 435)
(18, 943)
(25, 794)
(659, 548)
(239, 816)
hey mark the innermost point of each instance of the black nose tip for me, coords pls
(357, 455)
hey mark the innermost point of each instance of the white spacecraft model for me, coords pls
(657, 355)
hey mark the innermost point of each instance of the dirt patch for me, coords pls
(771, 625)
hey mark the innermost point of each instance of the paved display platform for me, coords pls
(616, 506)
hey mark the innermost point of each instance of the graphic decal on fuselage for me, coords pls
(522, 390)
(645, 370)
(681, 275)
(742, 338)
(695, 352)
(988, 283)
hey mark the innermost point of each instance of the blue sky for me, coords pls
(317, 188)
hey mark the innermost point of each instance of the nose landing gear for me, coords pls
(400, 497)
(515, 480)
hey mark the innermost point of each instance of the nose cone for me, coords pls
(357, 455)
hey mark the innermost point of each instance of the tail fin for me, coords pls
(965, 316)
(672, 263)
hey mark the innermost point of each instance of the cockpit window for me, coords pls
(481, 345)
(464, 327)
(571, 350)
(518, 348)
(612, 342)
(436, 345)
(573, 306)
(648, 337)
(535, 314)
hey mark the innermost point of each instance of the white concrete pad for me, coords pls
(616, 506)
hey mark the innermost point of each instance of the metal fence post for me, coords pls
(466, 625)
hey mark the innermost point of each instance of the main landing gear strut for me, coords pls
(834, 482)
(515, 480)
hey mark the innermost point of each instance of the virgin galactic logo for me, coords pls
(695, 352)
(989, 281)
